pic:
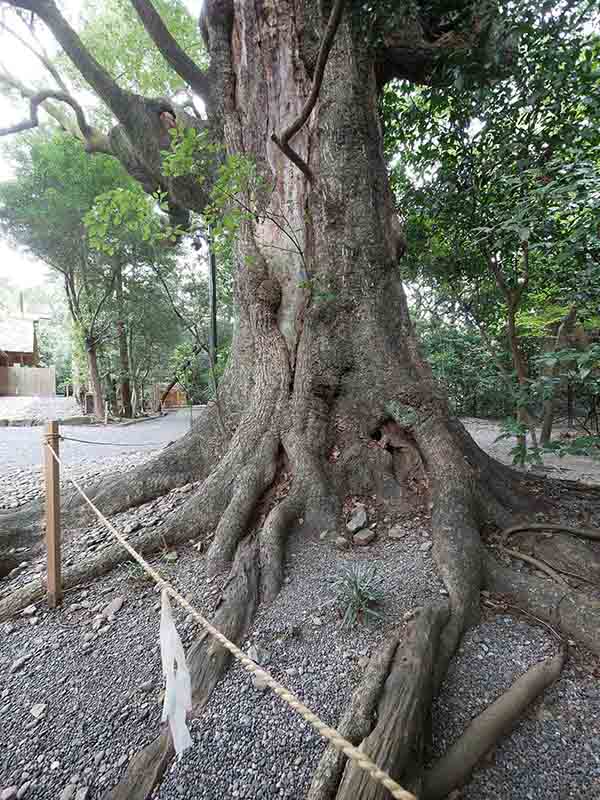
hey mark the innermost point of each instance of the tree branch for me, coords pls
(282, 140)
(117, 99)
(414, 52)
(183, 65)
(34, 104)
(40, 56)
(94, 140)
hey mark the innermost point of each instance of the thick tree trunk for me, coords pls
(95, 380)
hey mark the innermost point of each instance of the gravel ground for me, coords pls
(27, 484)
(99, 679)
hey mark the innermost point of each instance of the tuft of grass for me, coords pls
(358, 593)
(135, 573)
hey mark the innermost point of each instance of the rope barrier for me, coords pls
(331, 734)
(114, 444)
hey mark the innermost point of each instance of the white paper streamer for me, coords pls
(178, 691)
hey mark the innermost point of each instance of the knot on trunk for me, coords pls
(268, 294)
(267, 298)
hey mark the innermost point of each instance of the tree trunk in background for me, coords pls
(520, 365)
(95, 380)
(565, 329)
(124, 371)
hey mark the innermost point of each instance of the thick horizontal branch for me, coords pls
(183, 65)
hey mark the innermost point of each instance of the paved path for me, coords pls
(38, 408)
(20, 447)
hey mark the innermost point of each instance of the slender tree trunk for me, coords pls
(520, 365)
(124, 368)
(95, 380)
(565, 329)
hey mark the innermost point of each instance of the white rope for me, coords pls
(337, 740)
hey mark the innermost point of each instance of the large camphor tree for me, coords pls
(324, 362)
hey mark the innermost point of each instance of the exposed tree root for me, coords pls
(249, 487)
(207, 660)
(273, 538)
(455, 766)
(145, 770)
(199, 512)
(574, 613)
(585, 533)
(535, 563)
(398, 739)
(85, 571)
(356, 723)
(569, 555)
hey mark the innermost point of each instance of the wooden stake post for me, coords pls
(52, 515)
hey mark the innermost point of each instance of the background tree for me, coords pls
(43, 212)
(48, 210)
(502, 213)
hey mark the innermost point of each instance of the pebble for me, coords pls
(259, 654)
(68, 793)
(358, 519)
(259, 683)
(23, 789)
(397, 532)
(39, 710)
(364, 537)
(16, 665)
(9, 793)
(28, 611)
(112, 608)
(425, 546)
(342, 543)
